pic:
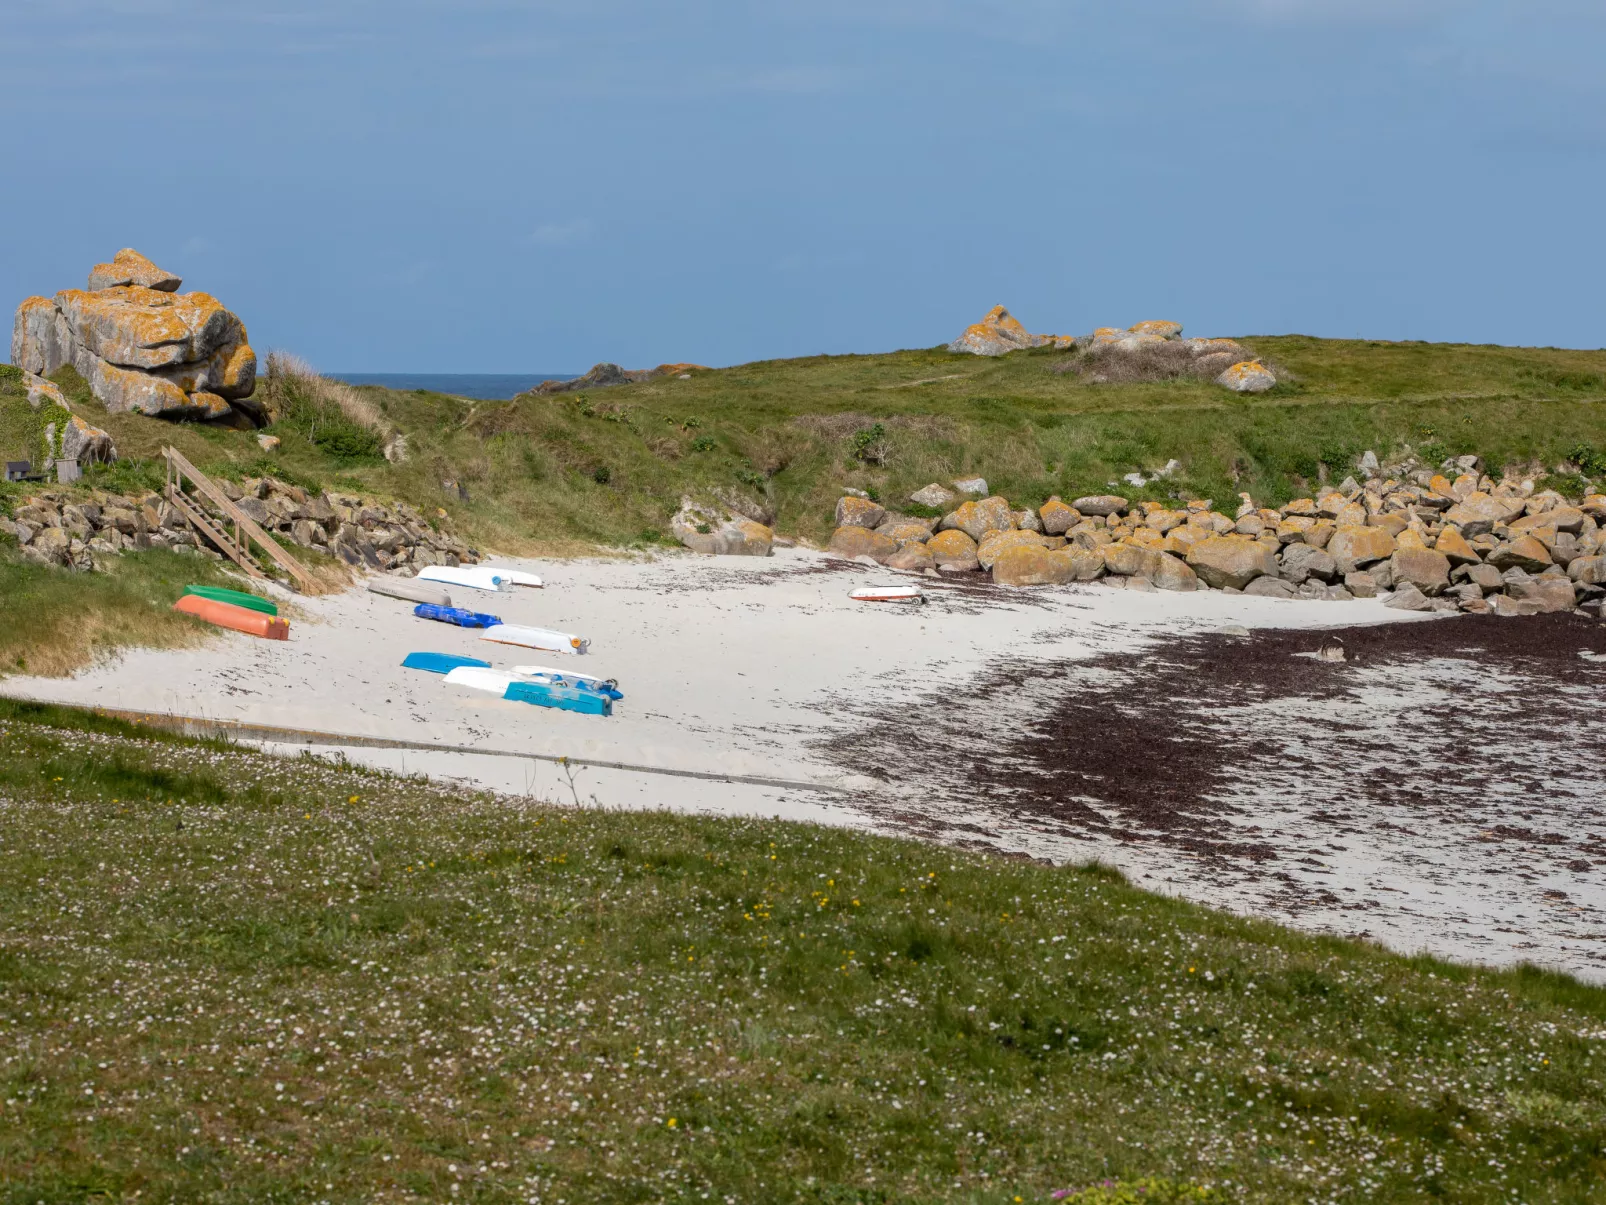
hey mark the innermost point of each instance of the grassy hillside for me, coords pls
(609, 465)
(226, 977)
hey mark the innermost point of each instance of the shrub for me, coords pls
(602, 475)
(1590, 462)
(330, 415)
(870, 445)
(1433, 453)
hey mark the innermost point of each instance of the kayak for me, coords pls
(475, 677)
(462, 618)
(564, 677)
(238, 619)
(888, 594)
(475, 577)
(411, 590)
(564, 698)
(537, 638)
(513, 577)
(238, 598)
(442, 663)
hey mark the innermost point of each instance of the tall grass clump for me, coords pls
(331, 415)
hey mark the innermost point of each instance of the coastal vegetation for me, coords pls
(607, 467)
(227, 976)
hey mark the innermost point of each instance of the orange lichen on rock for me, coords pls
(997, 333)
(129, 267)
(1164, 330)
(135, 327)
(139, 344)
(1247, 376)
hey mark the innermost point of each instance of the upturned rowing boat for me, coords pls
(410, 589)
(475, 577)
(537, 638)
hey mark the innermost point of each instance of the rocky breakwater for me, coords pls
(76, 530)
(1436, 544)
(141, 345)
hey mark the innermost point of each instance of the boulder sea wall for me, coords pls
(1502, 549)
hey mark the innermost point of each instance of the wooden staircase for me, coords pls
(246, 531)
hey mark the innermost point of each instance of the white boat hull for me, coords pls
(888, 594)
(491, 681)
(536, 638)
(474, 577)
(513, 577)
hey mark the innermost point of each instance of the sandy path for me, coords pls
(733, 666)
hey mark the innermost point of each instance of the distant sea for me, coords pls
(489, 385)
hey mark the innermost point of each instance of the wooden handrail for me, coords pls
(199, 520)
(243, 523)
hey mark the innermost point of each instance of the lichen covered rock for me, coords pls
(1032, 565)
(1247, 376)
(717, 532)
(1231, 561)
(859, 512)
(977, 519)
(141, 347)
(996, 334)
(953, 549)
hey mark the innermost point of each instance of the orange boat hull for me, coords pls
(239, 619)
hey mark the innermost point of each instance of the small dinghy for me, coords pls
(411, 590)
(238, 598)
(475, 577)
(513, 577)
(888, 594)
(442, 663)
(537, 638)
(564, 698)
(474, 677)
(462, 618)
(564, 677)
(238, 619)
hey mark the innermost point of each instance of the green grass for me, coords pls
(608, 466)
(225, 977)
(54, 621)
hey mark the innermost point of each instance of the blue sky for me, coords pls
(487, 185)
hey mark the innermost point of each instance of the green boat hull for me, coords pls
(238, 597)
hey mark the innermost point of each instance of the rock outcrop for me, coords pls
(1150, 350)
(1000, 332)
(141, 347)
(67, 436)
(717, 531)
(605, 375)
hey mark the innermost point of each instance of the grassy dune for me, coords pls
(566, 474)
(53, 621)
(227, 977)
(608, 466)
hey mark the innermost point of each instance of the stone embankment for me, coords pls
(141, 345)
(1428, 544)
(1224, 361)
(76, 531)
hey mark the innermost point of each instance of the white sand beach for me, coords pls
(741, 668)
